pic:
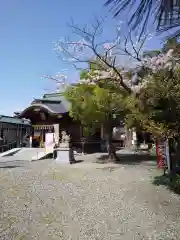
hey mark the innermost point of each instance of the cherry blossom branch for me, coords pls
(60, 80)
(103, 59)
(104, 56)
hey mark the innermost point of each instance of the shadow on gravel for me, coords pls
(129, 159)
(172, 183)
(161, 180)
(9, 167)
(78, 161)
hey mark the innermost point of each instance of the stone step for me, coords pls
(27, 154)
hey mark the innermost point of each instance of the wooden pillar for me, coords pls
(1, 137)
(56, 133)
(21, 135)
(128, 138)
(102, 132)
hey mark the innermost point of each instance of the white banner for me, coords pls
(49, 138)
(56, 133)
(49, 142)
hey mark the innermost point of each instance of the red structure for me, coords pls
(161, 154)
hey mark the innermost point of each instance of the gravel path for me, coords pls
(43, 200)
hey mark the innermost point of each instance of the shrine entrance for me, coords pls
(40, 134)
(49, 117)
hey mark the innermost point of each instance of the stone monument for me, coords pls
(64, 143)
(63, 149)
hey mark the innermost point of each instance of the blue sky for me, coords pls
(28, 30)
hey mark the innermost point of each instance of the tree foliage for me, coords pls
(165, 14)
(102, 57)
(145, 94)
(174, 44)
(93, 105)
(156, 108)
(97, 104)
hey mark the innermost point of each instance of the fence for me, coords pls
(8, 146)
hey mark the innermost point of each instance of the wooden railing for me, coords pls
(8, 146)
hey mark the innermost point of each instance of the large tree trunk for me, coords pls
(71, 152)
(109, 144)
(128, 139)
(71, 155)
(175, 147)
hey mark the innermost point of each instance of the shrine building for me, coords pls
(50, 114)
(12, 132)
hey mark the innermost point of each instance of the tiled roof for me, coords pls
(53, 96)
(51, 107)
(57, 97)
(14, 120)
(55, 103)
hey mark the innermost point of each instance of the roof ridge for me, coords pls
(16, 120)
(44, 101)
(1, 116)
(52, 94)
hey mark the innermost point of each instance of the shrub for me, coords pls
(174, 184)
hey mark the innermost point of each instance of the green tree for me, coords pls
(174, 44)
(157, 106)
(94, 106)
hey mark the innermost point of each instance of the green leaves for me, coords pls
(155, 108)
(159, 103)
(84, 74)
(93, 105)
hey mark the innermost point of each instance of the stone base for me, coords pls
(64, 145)
(62, 155)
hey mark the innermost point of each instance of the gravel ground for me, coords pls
(44, 200)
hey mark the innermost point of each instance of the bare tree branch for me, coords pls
(102, 57)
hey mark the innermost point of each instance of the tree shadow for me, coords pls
(77, 161)
(171, 182)
(10, 167)
(129, 159)
(162, 180)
